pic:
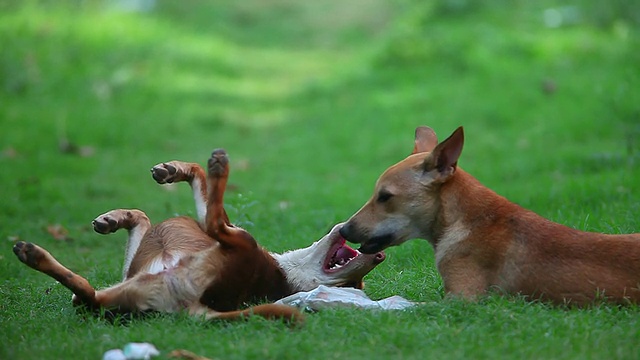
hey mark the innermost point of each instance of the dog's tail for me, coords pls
(289, 314)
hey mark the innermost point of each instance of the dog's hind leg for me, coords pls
(135, 221)
(141, 292)
(39, 259)
(289, 314)
(177, 171)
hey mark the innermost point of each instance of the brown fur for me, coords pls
(219, 270)
(483, 241)
(179, 234)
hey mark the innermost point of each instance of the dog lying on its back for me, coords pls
(210, 267)
(483, 241)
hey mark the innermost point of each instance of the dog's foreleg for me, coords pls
(39, 259)
(218, 174)
(135, 221)
(217, 224)
(463, 279)
(177, 171)
(289, 314)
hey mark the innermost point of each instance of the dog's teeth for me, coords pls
(339, 263)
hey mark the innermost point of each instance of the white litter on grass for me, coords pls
(324, 297)
(132, 351)
(114, 354)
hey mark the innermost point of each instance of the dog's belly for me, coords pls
(158, 265)
(177, 288)
(182, 289)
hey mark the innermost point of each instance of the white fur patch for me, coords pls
(453, 235)
(303, 267)
(135, 237)
(160, 264)
(201, 202)
(156, 266)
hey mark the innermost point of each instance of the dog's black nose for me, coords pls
(345, 231)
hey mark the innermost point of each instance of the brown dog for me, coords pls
(483, 241)
(175, 265)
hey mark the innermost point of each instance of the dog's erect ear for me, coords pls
(444, 157)
(426, 140)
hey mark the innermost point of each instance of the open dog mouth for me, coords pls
(341, 254)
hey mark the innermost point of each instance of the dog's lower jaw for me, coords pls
(376, 244)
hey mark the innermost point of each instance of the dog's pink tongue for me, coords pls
(346, 253)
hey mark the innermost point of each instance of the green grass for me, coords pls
(313, 100)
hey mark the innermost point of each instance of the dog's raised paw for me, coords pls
(29, 253)
(105, 224)
(218, 163)
(164, 173)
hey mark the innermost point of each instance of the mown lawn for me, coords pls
(312, 100)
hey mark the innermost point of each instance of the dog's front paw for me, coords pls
(111, 221)
(30, 254)
(105, 224)
(218, 164)
(164, 173)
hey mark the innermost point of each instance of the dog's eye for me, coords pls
(384, 196)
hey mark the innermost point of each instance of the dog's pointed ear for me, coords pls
(444, 158)
(426, 140)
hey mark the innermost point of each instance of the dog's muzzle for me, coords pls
(353, 234)
(376, 244)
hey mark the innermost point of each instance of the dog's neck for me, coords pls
(463, 204)
(289, 262)
(464, 201)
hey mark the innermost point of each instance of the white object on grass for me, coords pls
(140, 351)
(114, 354)
(132, 351)
(324, 297)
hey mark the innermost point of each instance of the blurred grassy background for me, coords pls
(313, 100)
